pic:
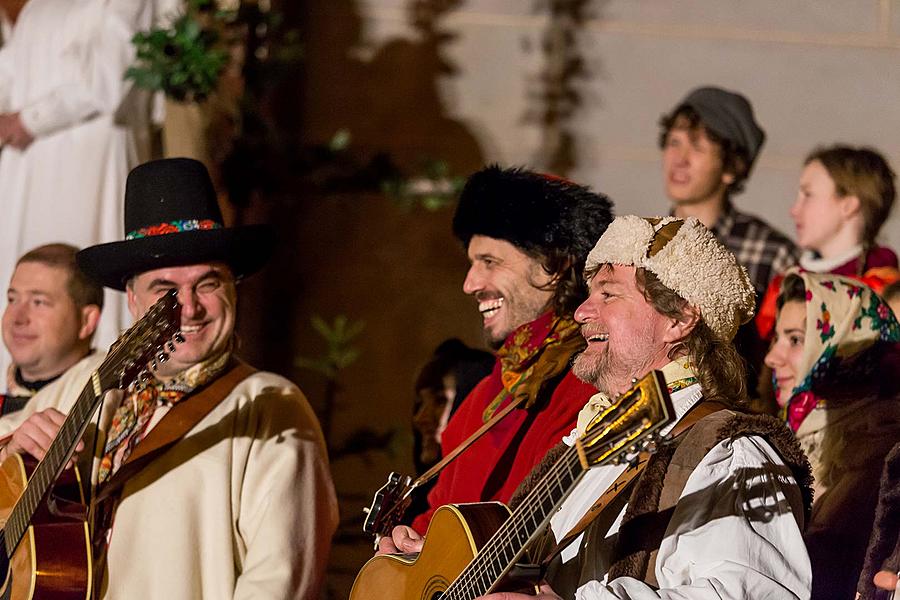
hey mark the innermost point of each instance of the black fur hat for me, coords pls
(537, 213)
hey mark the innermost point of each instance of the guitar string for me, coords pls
(542, 492)
(147, 331)
(515, 531)
(489, 553)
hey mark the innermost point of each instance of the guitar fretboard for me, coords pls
(51, 465)
(525, 524)
(126, 359)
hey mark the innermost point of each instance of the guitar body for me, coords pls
(53, 560)
(454, 536)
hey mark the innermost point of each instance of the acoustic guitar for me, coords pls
(470, 548)
(45, 549)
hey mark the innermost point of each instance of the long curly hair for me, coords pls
(719, 367)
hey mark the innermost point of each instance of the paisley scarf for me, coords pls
(533, 356)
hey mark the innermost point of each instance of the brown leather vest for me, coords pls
(654, 498)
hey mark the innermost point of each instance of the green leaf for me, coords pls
(321, 326)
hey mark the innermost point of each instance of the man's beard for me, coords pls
(612, 372)
(520, 311)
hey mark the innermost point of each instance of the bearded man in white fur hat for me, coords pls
(718, 511)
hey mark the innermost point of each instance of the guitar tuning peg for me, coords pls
(170, 346)
(367, 509)
(178, 337)
(162, 357)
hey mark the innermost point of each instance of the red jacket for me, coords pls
(493, 467)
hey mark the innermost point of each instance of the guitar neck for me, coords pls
(523, 526)
(126, 361)
(49, 468)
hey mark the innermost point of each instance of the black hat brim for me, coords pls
(245, 249)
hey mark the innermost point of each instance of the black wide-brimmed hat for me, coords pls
(172, 218)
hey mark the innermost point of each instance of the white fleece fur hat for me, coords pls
(688, 259)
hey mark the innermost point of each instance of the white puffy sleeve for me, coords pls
(95, 62)
(734, 534)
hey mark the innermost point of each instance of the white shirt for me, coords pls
(735, 532)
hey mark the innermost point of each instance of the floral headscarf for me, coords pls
(845, 320)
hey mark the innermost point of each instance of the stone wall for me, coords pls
(816, 71)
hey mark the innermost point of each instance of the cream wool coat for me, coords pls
(242, 507)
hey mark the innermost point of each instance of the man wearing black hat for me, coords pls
(709, 143)
(527, 236)
(242, 505)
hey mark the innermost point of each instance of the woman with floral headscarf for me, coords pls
(834, 359)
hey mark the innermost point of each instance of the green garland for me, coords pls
(186, 59)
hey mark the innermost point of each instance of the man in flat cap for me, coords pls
(718, 510)
(527, 236)
(709, 143)
(239, 504)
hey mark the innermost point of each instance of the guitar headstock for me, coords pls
(148, 342)
(630, 425)
(388, 506)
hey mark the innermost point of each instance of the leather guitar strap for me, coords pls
(400, 505)
(433, 471)
(180, 419)
(624, 481)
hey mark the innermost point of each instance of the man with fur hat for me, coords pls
(709, 143)
(717, 511)
(241, 505)
(527, 236)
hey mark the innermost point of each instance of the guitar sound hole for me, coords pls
(437, 596)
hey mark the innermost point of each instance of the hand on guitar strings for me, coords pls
(545, 593)
(403, 540)
(35, 435)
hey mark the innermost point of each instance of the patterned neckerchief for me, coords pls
(129, 423)
(533, 355)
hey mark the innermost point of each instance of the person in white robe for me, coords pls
(71, 129)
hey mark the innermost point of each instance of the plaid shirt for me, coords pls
(762, 250)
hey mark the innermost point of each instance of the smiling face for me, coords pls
(787, 349)
(823, 218)
(508, 284)
(43, 329)
(693, 172)
(626, 336)
(208, 298)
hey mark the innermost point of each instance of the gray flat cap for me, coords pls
(729, 115)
